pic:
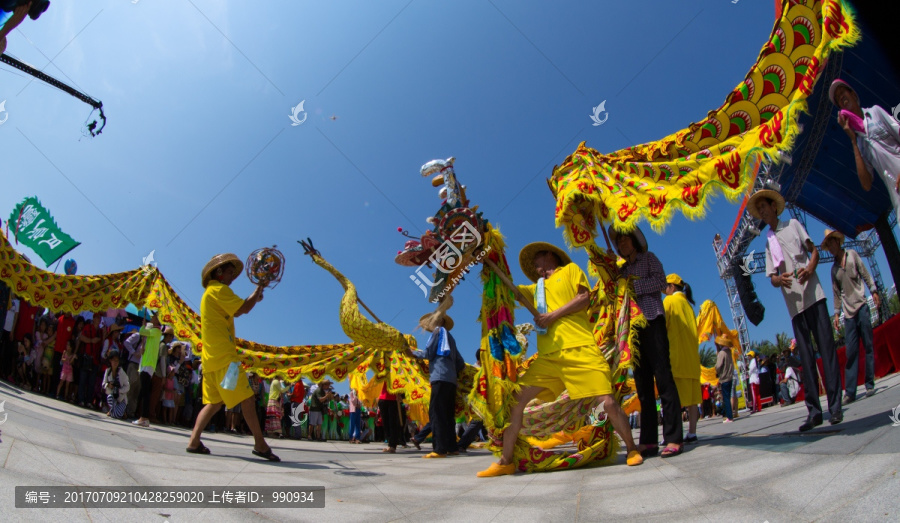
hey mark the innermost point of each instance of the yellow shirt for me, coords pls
(684, 345)
(572, 330)
(217, 308)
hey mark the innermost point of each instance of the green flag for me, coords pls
(34, 227)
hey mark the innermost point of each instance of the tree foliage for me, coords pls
(708, 356)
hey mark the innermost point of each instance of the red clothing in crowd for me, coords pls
(92, 349)
(63, 332)
(385, 395)
(299, 393)
(28, 313)
(704, 390)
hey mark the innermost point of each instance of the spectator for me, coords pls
(149, 359)
(168, 397)
(354, 405)
(134, 345)
(24, 365)
(115, 383)
(91, 342)
(64, 329)
(317, 401)
(275, 409)
(848, 276)
(160, 372)
(298, 395)
(753, 369)
(725, 374)
(875, 137)
(65, 375)
(790, 386)
(791, 261)
(8, 345)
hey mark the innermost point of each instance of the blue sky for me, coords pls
(199, 156)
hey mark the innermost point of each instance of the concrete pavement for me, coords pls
(756, 469)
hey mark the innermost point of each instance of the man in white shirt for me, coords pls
(791, 260)
(875, 136)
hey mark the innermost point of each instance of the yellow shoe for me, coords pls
(634, 458)
(497, 469)
(434, 455)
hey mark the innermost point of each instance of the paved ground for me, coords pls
(756, 469)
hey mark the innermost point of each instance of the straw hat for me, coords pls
(836, 234)
(724, 341)
(675, 279)
(834, 87)
(218, 261)
(527, 254)
(636, 234)
(775, 196)
(429, 321)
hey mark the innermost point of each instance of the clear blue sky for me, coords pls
(200, 157)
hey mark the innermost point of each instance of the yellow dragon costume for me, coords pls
(651, 181)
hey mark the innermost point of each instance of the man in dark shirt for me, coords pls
(317, 401)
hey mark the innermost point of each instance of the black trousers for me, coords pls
(653, 365)
(441, 413)
(144, 397)
(472, 431)
(390, 420)
(814, 323)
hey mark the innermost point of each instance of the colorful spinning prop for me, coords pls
(265, 266)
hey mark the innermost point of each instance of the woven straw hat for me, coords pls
(775, 196)
(217, 261)
(527, 254)
(429, 321)
(836, 234)
(724, 341)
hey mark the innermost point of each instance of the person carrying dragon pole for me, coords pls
(568, 355)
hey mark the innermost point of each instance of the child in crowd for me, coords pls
(47, 358)
(66, 376)
(24, 365)
(115, 383)
(168, 401)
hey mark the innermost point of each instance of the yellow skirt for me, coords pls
(688, 391)
(583, 371)
(214, 393)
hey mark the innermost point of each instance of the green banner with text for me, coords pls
(31, 224)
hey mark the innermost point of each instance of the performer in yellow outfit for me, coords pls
(218, 308)
(568, 357)
(684, 348)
